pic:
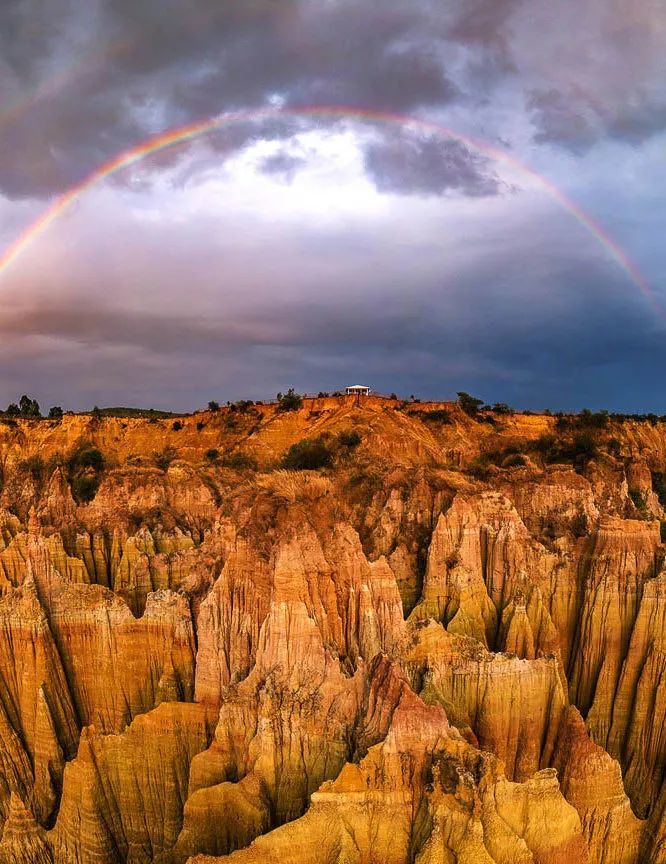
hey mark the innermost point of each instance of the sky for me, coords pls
(423, 196)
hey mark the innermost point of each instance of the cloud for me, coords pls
(411, 163)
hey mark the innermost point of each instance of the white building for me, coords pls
(357, 390)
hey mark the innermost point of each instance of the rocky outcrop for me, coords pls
(448, 646)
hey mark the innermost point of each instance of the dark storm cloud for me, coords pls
(410, 163)
(578, 120)
(587, 353)
(92, 79)
(173, 63)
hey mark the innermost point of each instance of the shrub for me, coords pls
(437, 415)
(502, 408)
(85, 457)
(34, 466)
(84, 466)
(469, 404)
(310, 454)
(593, 419)
(200, 425)
(513, 460)
(13, 410)
(638, 500)
(349, 438)
(659, 486)
(289, 401)
(84, 487)
(212, 455)
(55, 413)
(163, 459)
(241, 461)
(213, 406)
(177, 425)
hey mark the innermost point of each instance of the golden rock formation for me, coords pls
(447, 647)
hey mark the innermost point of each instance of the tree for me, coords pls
(29, 407)
(469, 404)
(289, 401)
(13, 410)
(310, 454)
(213, 406)
(55, 413)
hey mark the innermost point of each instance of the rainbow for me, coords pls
(192, 131)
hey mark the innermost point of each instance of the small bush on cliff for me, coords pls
(349, 438)
(469, 404)
(85, 457)
(289, 401)
(659, 486)
(241, 462)
(34, 466)
(164, 458)
(213, 406)
(84, 468)
(84, 488)
(638, 500)
(437, 415)
(310, 454)
(212, 455)
(55, 413)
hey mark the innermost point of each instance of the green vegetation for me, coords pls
(123, 413)
(240, 461)
(437, 415)
(586, 419)
(310, 454)
(349, 438)
(659, 486)
(579, 450)
(240, 407)
(55, 413)
(469, 404)
(177, 425)
(289, 401)
(164, 458)
(84, 469)
(35, 467)
(29, 407)
(212, 455)
(84, 488)
(213, 406)
(639, 502)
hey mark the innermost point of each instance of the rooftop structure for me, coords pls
(357, 390)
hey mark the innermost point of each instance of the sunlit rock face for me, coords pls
(446, 645)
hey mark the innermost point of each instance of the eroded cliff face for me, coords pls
(448, 646)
